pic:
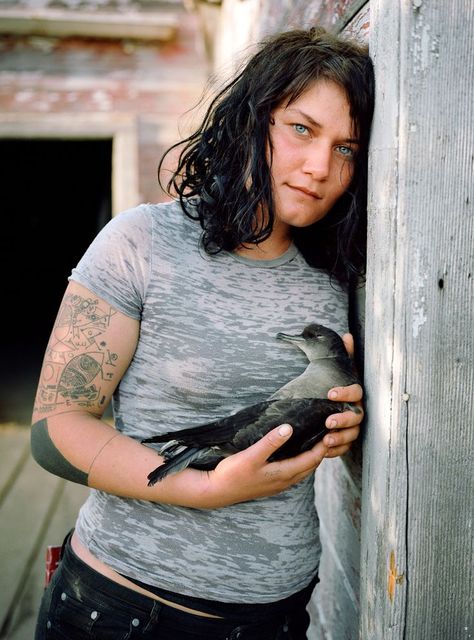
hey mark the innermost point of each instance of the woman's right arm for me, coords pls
(90, 349)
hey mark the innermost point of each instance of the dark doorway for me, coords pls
(56, 195)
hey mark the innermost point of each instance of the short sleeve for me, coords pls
(116, 265)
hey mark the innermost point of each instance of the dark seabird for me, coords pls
(302, 403)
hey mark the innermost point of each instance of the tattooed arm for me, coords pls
(89, 350)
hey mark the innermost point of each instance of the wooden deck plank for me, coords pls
(22, 516)
(14, 451)
(36, 509)
(61, 521)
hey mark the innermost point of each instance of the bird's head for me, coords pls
(317, 341)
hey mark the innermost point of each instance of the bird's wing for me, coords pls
(307, 416)
(216, 432)
(242, 429)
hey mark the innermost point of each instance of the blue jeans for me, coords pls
(81, 604)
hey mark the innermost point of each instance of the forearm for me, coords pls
(83, 449)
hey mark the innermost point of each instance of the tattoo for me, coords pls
(106, 444)
(46, 454)
(273, 474)
(77, 360)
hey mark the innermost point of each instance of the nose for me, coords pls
(318, 161)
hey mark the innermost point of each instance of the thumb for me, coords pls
(348, 340)
(270, 442)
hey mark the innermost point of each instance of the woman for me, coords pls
(173, 310)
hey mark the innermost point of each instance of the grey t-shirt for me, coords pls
(207, 348)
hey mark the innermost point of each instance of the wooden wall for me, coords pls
(418, 488)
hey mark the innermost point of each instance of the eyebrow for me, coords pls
(318, 125)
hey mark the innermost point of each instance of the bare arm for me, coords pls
(90, 348)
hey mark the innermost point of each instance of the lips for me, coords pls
(306, 192)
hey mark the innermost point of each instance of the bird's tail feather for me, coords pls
(174, 464)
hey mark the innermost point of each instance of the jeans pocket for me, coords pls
(92, 619)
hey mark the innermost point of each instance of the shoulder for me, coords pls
(171, 227)
(147, 213)
(138, 225)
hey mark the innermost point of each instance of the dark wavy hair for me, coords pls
(223, 175)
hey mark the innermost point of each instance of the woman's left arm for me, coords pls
(345, 426)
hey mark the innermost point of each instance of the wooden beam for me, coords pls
(418, 486)
(120, 127)
(98, 24)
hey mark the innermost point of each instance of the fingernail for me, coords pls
(284, 430)
(330, 441)
(331, 424)
(333, 395)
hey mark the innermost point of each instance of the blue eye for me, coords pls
(300, 128)
(347, 152)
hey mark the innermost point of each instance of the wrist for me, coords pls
(189, 488)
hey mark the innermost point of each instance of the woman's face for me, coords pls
(313, 154)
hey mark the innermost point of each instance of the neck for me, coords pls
(277, 243)
(323, 358)
(262, 251)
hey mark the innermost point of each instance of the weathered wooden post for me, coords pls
(418, 486)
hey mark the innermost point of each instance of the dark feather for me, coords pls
(204, 446)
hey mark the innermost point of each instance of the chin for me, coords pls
(302, 220)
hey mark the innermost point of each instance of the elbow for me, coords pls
(38, 433)
(46, 454)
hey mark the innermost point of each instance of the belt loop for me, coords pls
(154, 615)
(286, 628)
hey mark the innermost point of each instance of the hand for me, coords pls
(345, 426)
(247, 475)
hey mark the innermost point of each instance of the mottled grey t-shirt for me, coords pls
(207, 348)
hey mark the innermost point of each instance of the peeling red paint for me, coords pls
(153, 82)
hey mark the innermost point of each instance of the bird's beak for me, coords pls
(287, 338)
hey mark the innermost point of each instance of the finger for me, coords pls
(348, 340)
(273, 440)
(351, 393)
(303, 464)
(335, 452)
(345, 419)
(311, 461)
(336, 439)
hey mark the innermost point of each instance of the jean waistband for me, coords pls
(230, 611)
(234, 610)
(77, 571)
